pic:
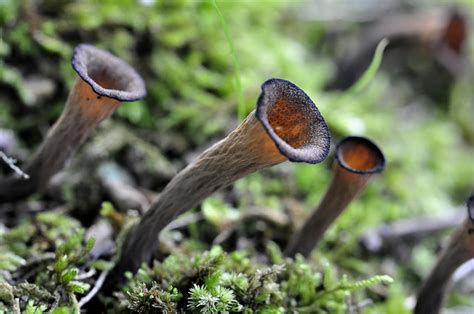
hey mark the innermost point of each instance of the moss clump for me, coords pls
(217, 282)
(44, 264)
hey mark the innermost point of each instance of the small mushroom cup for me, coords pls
(104, 82)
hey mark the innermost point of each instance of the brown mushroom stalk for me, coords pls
(459, 250)
(104, 82)
(357, 159)
(286, 125)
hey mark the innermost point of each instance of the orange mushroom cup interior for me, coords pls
(293, 122)
(360, 155)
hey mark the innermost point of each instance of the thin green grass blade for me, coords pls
(237, 81)
(369, 74)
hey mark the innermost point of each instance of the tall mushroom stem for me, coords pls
(357, 159)
(104, 82)
(285, 125)
(459, 250)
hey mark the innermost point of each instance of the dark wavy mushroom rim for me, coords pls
(470, 207)
(359, 155)
(293, 122)
(108, 75)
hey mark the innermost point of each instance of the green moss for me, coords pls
(216, 282)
